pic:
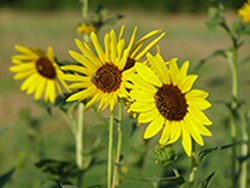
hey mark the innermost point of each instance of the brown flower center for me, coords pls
(107, 78)
(45, 68)
(170, 102)
(130, 63)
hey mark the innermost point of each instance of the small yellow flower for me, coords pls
(244, 12)
(85, 29)
(164, 98)
(42, 75)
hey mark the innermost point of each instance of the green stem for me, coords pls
(79, 136)
(244, 153)
(194, 166)
(232, 60)
(234, 153)
(175, 170)
(119, 145)
(84, 9)
(232, 56)
(110, 152)
(176, 173)
(70, 122)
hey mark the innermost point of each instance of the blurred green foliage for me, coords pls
(164, 5)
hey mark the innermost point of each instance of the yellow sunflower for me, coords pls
(102, 76)
(244, 12)
(42, 75)
(164, 98)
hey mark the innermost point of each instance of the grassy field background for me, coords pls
(187, 38)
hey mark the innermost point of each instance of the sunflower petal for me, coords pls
(200, 116)
(148, 75)
(174, 131)
(190, 79)
(97, 45)
(193, 131)
(174, 71)
(149, 46)
(81, 95)
(154, 127)
(159, 66)
(186, 140)
(148, 116)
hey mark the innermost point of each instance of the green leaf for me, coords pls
(205, 152)
(212, 25)
(178, 180)
(6, 177)
(67, 186)
(206, 182)
(246, 60)
(210, 56)
(213, 12)
(246, 29)
(61, 169)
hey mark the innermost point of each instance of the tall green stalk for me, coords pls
(77, 128)
(232, 58)
(119, 145)
(244, 153)
(79, 136)
(110, 150)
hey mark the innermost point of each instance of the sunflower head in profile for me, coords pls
(244, 12)
(164, 98)
(43, 77)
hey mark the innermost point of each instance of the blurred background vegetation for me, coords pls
(164, 5)
(28, 134)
